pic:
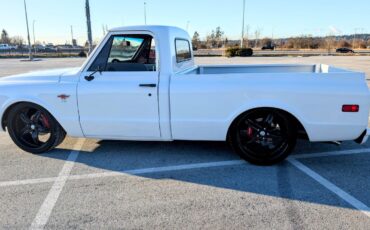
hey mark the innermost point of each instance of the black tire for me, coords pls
(34, 129)
(263, 136)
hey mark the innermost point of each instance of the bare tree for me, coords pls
(17, 40)
(344, 43)
(210, 40)
(330, 39)
(246, 39)
(219, 34)
(267, 42)
(257, 34)
(215, 39)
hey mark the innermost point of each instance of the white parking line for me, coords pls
(46, 208)
(332, 187)
(329, 154)
(170, 168)
(59, 182)
(159, 169)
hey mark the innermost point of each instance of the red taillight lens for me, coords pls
(350, 108)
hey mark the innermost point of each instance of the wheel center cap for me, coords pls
(263, 133)
(33, 127)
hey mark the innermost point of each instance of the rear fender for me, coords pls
(273, 104)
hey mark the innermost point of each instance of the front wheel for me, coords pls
(263, 137)
(34, 129)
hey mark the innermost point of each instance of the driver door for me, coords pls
(121, 102)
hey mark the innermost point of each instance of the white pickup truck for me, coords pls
(141, 83)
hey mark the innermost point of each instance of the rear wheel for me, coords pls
(263, 137)
(33, 129)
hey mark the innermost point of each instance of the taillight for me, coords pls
(350, 108)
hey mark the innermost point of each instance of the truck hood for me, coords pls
(39, 76)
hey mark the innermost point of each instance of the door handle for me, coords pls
(148, 85)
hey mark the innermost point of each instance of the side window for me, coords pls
(126, 53)
(124, 48)
(183, 52)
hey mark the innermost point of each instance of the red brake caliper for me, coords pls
(249, 132)
(45, 121)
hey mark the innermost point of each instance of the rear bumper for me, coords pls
(364, 137)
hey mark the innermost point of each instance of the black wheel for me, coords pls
(33, 129)
(263, 137)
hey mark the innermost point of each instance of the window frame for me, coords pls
(88, 64)
(191, 54)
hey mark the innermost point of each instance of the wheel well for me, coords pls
(4, 119)
(301, 131)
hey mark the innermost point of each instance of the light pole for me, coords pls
(34, 37)
(145, 12)
(72, 35)
(242, 38)
(187, 25)
(88, 20)
(28, 32)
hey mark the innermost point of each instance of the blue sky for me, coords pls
(281, 18)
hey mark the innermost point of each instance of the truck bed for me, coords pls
(237, 69)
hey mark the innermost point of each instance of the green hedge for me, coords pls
(239, 52)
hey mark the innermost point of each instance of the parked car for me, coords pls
(345, 50)
(39, 48)
(131, 89)
(7, 47)
(50, 48)
(268, 47)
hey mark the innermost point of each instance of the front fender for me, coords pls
(66, 113)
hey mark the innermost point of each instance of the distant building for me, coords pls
(74, 42)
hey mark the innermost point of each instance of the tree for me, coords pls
(226, 41)
(196, 40)
(4, 37)
(359, 44)
(267, 42)
(17, 40)
(330, 39)
(215, 39)
(246, 36)
(211, 40)
(219, 34)
(344, 43)
(257, 34)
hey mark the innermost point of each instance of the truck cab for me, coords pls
(135, 64)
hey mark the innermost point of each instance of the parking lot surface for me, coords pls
(98, 184)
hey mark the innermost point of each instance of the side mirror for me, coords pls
(91, 76)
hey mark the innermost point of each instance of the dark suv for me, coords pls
(268, 47)
(345, 50)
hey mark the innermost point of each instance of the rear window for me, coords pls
(183, 50)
